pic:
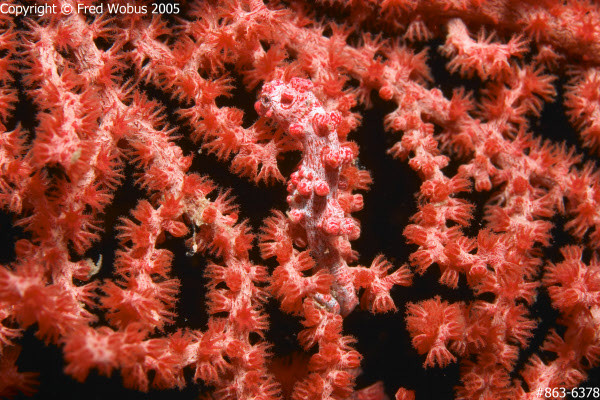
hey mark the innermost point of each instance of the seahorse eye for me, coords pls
(265, 99)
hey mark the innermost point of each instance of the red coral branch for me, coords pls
(115, 120)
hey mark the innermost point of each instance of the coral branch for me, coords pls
(127, 130)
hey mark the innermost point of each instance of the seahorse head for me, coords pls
(286, 103)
